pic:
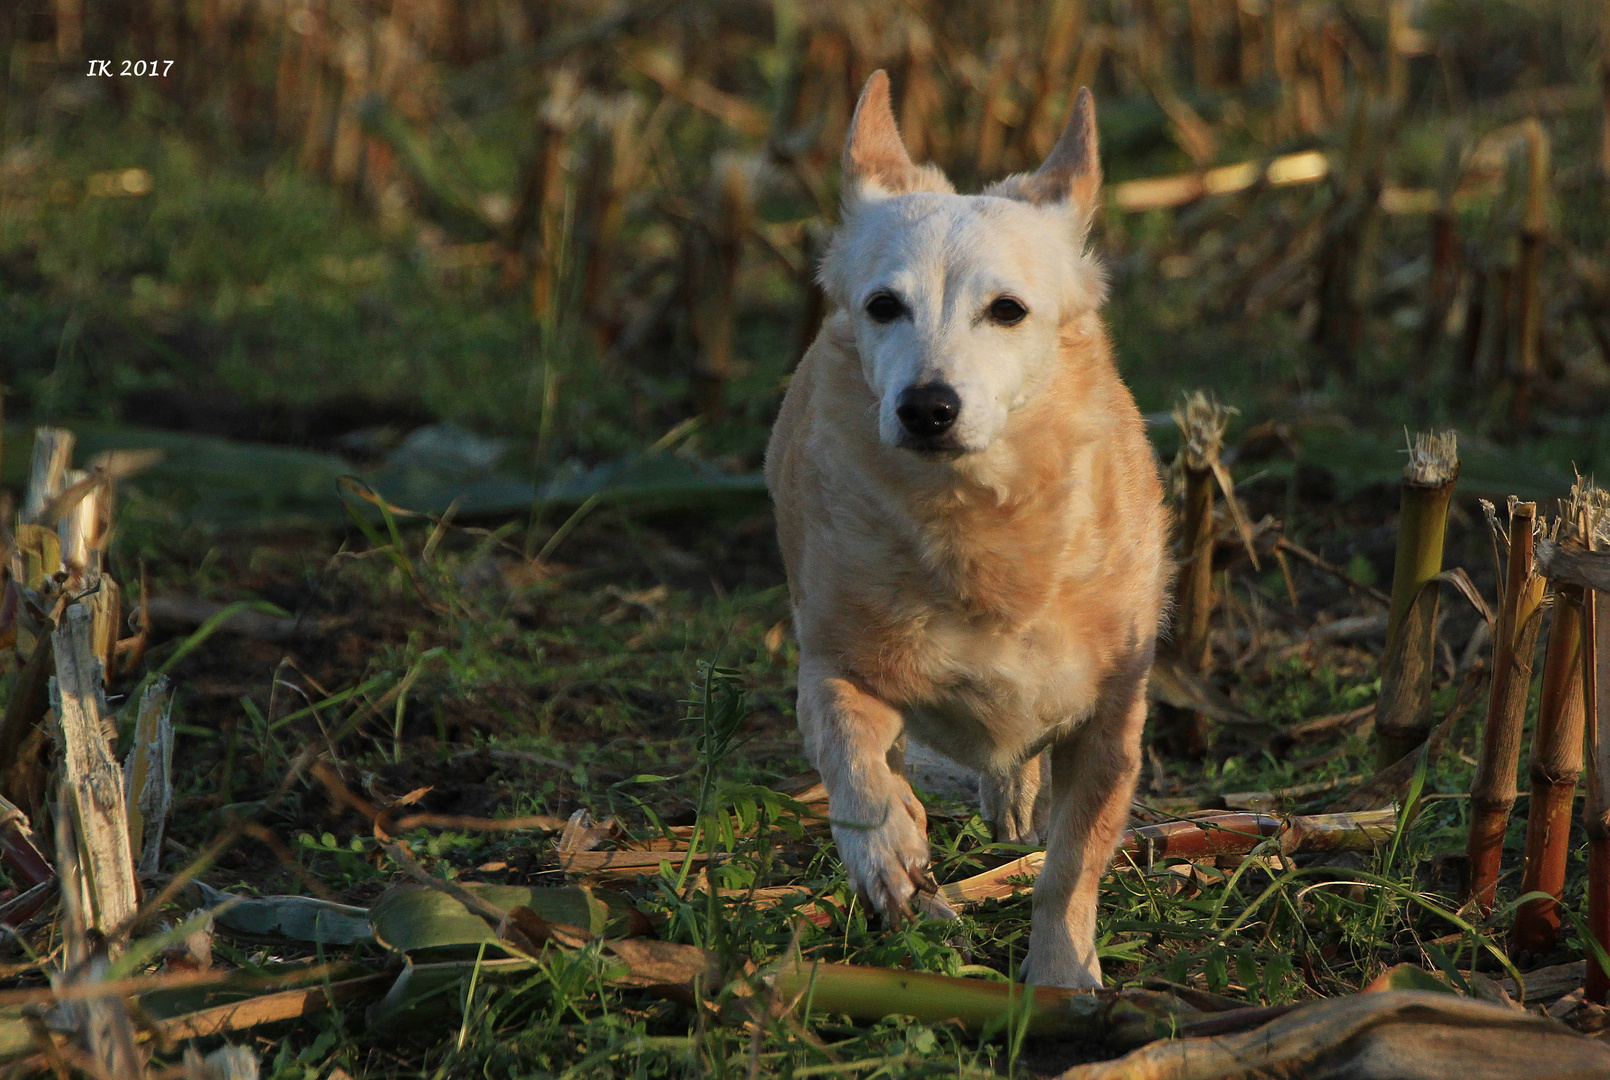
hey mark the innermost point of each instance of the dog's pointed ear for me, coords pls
(1072, 171)
(874, 156)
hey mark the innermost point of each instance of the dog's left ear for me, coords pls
(1072, 171)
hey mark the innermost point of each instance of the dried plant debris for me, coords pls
(1585, 515)
(1202, 422)
(1433, 459)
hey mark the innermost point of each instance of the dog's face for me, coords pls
(958, 302)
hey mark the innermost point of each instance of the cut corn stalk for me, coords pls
(92, 783)
(1528, 283)
(1202, 423)
(53, 453)
(1568, 562)
(1441, 286)
(83, 518)
(1492, 793)
(1403, 713)
(1604, 97)
(37, 554)
(148, 774)
(100, 1023)
(538, 211)
(1591, 506)
(104, 1027)
(717, 250)
(1556, 768)
(1160, 192)
(1120, 1018)
(1596, 809)
(1196, 838)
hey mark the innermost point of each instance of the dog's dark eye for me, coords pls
(884, 307)
(1007, 311)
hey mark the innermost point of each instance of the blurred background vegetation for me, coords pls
(574, 224)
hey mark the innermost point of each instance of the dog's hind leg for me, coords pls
(1015, 803)
(855, 741)
(1093, 774)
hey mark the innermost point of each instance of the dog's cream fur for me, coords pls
(998, 602)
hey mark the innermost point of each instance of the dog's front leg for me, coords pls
(878, 823)
(1093, 775)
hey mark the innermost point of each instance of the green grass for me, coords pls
(623, 696)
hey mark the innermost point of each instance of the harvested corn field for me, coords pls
(399, 665)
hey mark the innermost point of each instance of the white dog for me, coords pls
(972, 524)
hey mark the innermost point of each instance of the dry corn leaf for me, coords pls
(1394, 1035)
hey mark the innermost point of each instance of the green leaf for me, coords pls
(289, 918)
(427, 924)
(1410, 977)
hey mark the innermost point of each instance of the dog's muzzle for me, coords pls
(927, 414)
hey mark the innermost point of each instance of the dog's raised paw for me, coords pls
(887, 863)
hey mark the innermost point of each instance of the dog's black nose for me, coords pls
(928, 411)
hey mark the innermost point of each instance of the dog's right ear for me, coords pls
(875, 159)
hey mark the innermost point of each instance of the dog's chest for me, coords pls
(971, 628)
(987, 694)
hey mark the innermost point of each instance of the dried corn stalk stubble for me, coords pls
(1492, 793)
(1592, 506)
(1202, 424)
(1403, 713)
(91, 779)
(1556, 762)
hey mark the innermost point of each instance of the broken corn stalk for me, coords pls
(1528, 281)
(1123, 1018)
(1556, 765)
(1403, 713)
(1592, 506)
(148, 774)
(1196, 838)
(1201, 423)
(92, 783)
(1492, 793)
